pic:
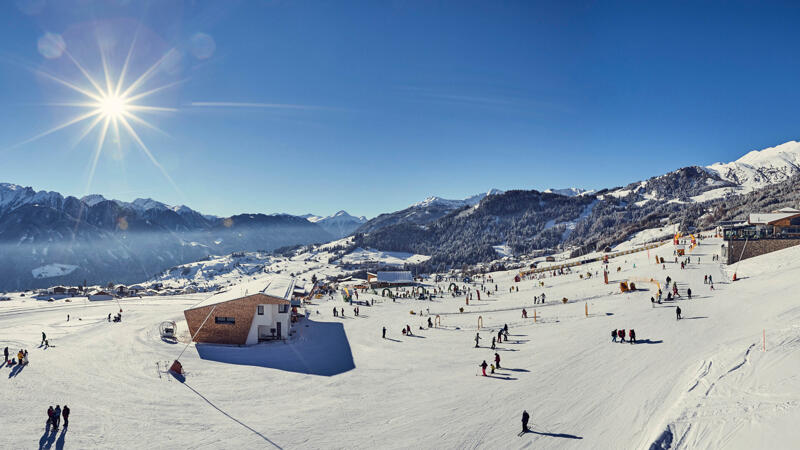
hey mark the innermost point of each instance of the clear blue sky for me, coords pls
(385, 103)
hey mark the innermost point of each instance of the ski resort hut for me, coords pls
(393, 278)
(100, 295)
(245, 314)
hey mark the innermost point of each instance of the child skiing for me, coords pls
(477, 338)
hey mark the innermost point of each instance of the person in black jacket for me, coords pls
(525, 418)
(65, 414)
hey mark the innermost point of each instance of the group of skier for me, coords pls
(22, 357)
(621, 335)
(492, 367)
(54, 416)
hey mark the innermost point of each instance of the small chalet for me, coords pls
(245, 314)
(100, 295)
(392, 278)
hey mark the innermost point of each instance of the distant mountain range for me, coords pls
(458, 232)
(339, 225)
(47, 238)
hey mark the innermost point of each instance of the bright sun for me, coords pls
(113, 106)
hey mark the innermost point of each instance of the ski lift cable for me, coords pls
(197, 332)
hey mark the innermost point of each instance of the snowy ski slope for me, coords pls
(701, 382)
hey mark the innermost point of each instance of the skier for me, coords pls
(614, 335)
(109, 317)
(710, 280)
(483, 367)
(430, 323)
(653, 302)
(5, 355)
(621, 334)
(525, 418)
(50, 415)
(689, 293)
(493, 341)
(44, 337)
(342, 311)
(497, 360)
(67, 317)
(632, 335)
(335, 312)
(384, 332)
(56, 416)
(408, 330)
(478, 338)
(65, 413)
(678, 312)
(524, 313)
(705, 279)
(500, 336)
(491, 369)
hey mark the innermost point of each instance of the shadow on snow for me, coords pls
(318, 348)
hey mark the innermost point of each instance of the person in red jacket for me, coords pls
(621, 334)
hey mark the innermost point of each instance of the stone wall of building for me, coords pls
(756, 248)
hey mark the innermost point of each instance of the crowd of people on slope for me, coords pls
(621, 335)
(54, 416)
(21, 359)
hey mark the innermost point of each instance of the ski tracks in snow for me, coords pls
(735, 398)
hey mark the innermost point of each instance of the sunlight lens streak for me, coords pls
(114, 105)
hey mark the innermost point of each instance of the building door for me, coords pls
(264, 333)
(278, 330)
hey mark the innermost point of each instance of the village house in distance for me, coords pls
(245, 314)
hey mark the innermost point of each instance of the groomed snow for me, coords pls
(701, 382)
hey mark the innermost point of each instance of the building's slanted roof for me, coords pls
(395, 277)
(277, 291)
(788, 210)
(767, 218)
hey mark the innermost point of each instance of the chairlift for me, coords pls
(167, 329)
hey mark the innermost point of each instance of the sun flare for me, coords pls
(113, 106)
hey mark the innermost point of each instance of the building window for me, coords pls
(283, 308)
(225, 320)
(260, 310)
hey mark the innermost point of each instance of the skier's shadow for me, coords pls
(47, 439)
(558, 435)
(500, 378)
(60, 441)
(16, 370)
(648, 341)
(393, 340)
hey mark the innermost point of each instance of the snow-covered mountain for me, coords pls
(424, 212)
(570, 192)
(760, 168)
(339, 225)
(454, 204)
(103, 240)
